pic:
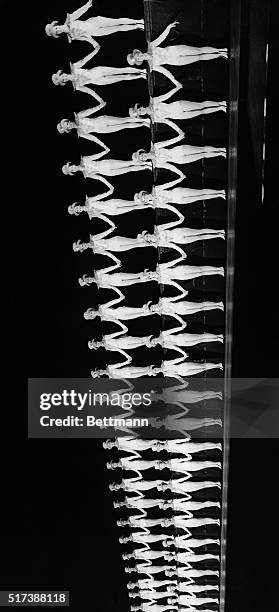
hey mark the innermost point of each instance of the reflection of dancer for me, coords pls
(76, 29)
(184, 505)
(182, 486)
(165, 307)
(184, 542)
(179, 398)
(182, 370)
(171, 341)
(159, 111)
(162, 157)
(183, 572)
(180, 235)
(174, 55)
(184, 465)
(180, 447)
(161, 196)
(186, 600)
(99, 75)
(104, 124)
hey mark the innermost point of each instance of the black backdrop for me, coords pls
(57, 528)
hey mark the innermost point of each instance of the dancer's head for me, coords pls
(90, 313)
(122, 523)
(108, 445)
(171, 588)
(114, 486)
(166, 522)
(164, 505)
(150, 343)
(159, 445)
(97, 374)
(65, 126)
(84, 280)
(143, 197)
(54, 29)
(60, 78)
(69, 169)
(112, 465)
(134, 594)
(132, 585)
(95, 344)
(138, 111)
(74, 209)
(168, 543)
(172, 601)
(162, 486)
(170, 571)
(127, 556)
(118, 504)
(160, 465)
(135, 58)
(140, 156)
(124, 539)
(79, 247)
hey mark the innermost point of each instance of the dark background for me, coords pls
(57, 519)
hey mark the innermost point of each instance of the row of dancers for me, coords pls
(167, 236)
(173, 560)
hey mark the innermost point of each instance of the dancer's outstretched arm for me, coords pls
(180, 220)
(101, 196)
(168, 75)
(127, 360)
(173, 262)
(172, 245)
(171, 141)
(167, 95)
(111, 268)
(174, 169)
(116, 300)
(93, 93)
(106, 232)
(80, 11)
(102, 144)
(113, 257)
(182, 293)
(85, 59)
(179, 359)
(163, 36)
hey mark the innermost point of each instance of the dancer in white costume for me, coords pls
(164, 237)
(143, 538)
(111, 208)
(154, 607)
(104, 124)
(178, 422)
(182, 572)
(169, 307)
(185, 600)
(99, 75)
(119, 279)
(192, 522)
(139, 522)
(77, 29)
(167, 274)
(184, 465)
(147, 594)
(186, 557)
(193, 588)
(184, 542)
(159, 111)
(180, 447)
(114, 344)
(123, 313)
(109, 167)
(117, 244)
(147, 555)
(134, 485)
(182, 486)
(140, 503)
(169, 340)
(162, 157)
(174, 55)
(128, 444)
(130, 463)
(161, 196)
(150, 583)
(182, 370)
(184, 505)
(115, 371)
(180, 398)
